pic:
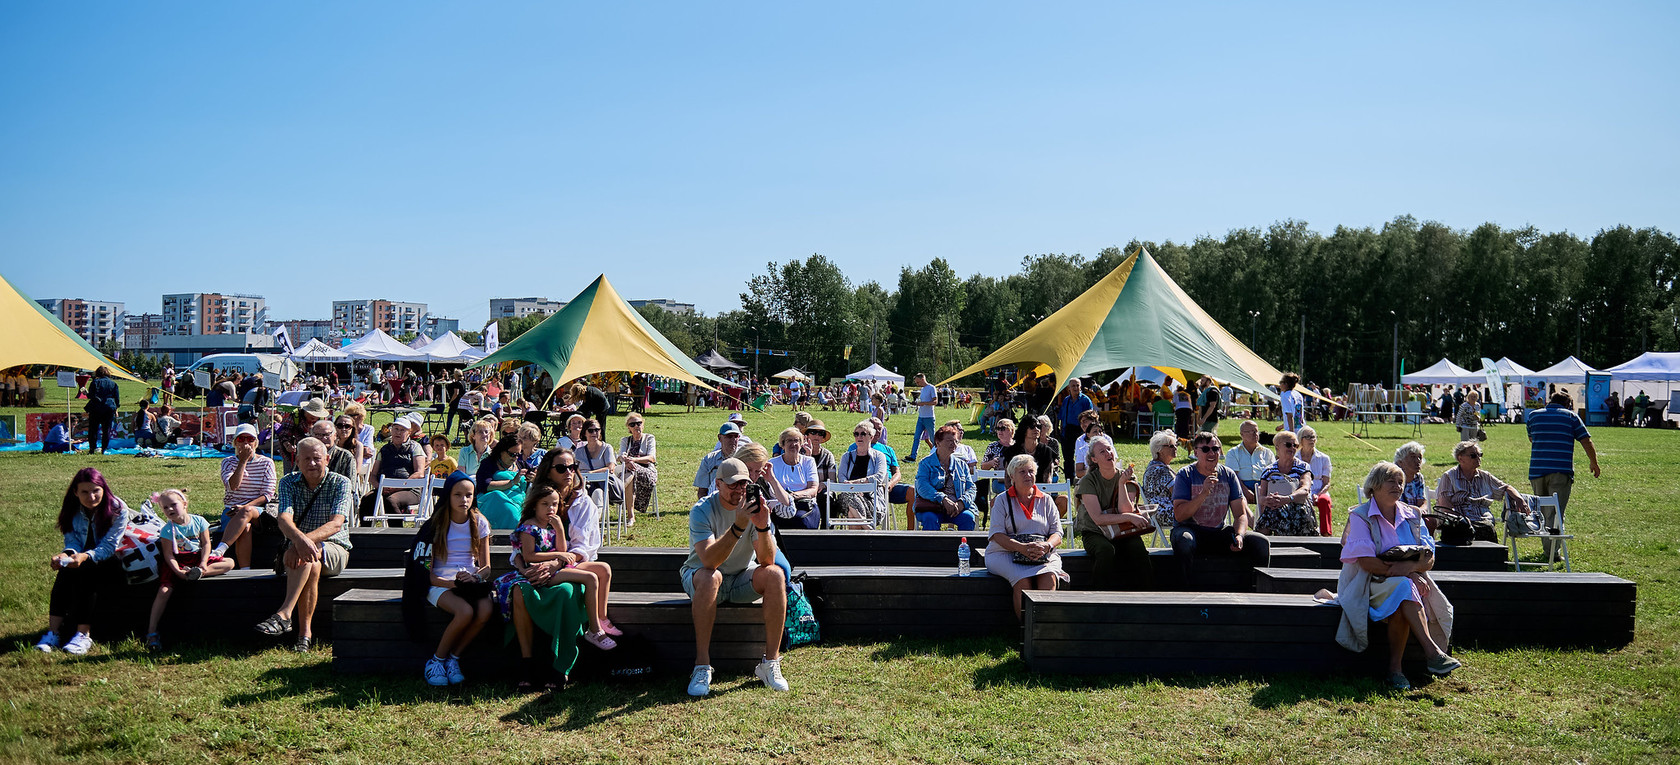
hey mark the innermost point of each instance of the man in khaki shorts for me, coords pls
(314, 504)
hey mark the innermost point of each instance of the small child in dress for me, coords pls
(183, 551)
(460, 562)
(542, 510)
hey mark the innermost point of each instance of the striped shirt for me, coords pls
(258, 480)
(1554, 431)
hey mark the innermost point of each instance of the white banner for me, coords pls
(1495, 386)
(492, 338)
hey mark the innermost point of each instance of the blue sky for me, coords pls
(454, 152)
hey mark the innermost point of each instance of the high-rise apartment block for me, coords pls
(214, 313)
(96, 321)
(359, 317)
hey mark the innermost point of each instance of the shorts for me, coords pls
(333, 559)
(434, 593)
(187, 560)
(735, 588)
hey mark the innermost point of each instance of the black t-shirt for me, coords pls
(1044, 455)
(594, 403)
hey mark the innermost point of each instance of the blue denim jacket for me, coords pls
(930, 475)
(76, 540)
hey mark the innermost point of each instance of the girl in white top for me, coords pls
(460, 559)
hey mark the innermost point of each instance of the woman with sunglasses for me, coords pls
(1471, 491)
(1004, 429)
(863, 463)
(1283, 491)
(796, 471)
(639, 454)
(597, 459)
(1204, 494)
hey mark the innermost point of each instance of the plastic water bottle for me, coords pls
(962, 557)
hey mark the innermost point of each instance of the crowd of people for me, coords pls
(1222, 502)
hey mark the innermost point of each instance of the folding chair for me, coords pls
(985, 518)
(625, 478)
(1561, 538)
(1061, 488)
(611, 526)
(417, 513)
(833, 519)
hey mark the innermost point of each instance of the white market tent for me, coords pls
(876, 372)
(1443, 372)
(1648, 366)
(1570, 371)
(378, 346)
(1510, 371)
(448, 348)
(792, 373)
(419, 341)
(317, 351)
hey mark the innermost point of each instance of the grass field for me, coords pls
(907, 701)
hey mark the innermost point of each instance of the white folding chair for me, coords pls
(1560, 548)
(611, 525)
(626, 479)
(834, 519)
(417, 513)
(1061, 488)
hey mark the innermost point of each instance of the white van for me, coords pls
(247, 363)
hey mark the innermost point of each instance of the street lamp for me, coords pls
(1253, 329)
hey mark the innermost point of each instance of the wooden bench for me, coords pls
(371, 637)
(1511, 608)
(1479, 556)
(877, 602)
(938, 550)
(383, 548)
(1160, 633)
(228, 607)
(644, 569)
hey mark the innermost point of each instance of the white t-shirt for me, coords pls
(1320, 466)
(796, 477)
(927, 394)
(459, 553)
(1081, 450)
(1291, 404)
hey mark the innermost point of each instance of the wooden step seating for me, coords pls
(1479, 556)
(1497, 608)
(938, 549)
(642, 569)
(228, 607)
(1161, 633)
(371, 637)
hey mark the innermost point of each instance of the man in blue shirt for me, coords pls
(926, 397)
(1067, 420)
(1552, 433)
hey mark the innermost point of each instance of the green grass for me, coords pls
(905, 701)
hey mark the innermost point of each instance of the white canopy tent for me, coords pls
(449, 348)
(317, 351)
(419, 341)
(791, 373)
(378, 346)
(876, 372)
(1443, 372)
(1510, 371)
(1570, 371)
(1648, 366)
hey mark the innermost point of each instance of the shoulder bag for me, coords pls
(1021, 557)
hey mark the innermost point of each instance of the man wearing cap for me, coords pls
(314, 505)
(248, 478)
(400, 458)
(729, 439)
(740, 424)
(730, 562)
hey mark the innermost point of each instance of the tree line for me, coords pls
(1444, 292)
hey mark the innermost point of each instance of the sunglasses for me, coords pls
(863, 434)
(591, 430)
(1474, 455)
(633, 424)
(572, 467)
(1208, 449)
(342, 425)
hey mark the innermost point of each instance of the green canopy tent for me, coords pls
(1134, 316)
(598, 332)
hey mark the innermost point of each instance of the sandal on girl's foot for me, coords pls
(274, 626)
(194, 573)
(153, 642)
(600, 640)
(608, 627)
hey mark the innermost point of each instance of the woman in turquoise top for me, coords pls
(502, 483)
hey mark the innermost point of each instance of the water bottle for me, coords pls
(962, 557)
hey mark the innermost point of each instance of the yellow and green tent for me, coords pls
(598, 332)
(34, 336)
(1134, 316)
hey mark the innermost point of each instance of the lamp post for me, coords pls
(1253, 329)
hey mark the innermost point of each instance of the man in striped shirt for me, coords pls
(1552, 433)
(248, 477)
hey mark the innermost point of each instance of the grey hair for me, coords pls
(1462, 447)
(1045, 424)
(1381, 472)
(1091, 443)
(311, 443)
(1305, 432)
(1161, 440)
(1408, 449)
(1017, 461)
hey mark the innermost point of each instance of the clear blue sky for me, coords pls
(454, 152)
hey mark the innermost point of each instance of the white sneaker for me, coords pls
(436, 673)
(47, 643)
(770, 671)
(700, 683)
(79, 645)
(452, 666)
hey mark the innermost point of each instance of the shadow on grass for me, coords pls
(902, 648)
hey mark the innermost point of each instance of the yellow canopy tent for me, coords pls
(1134, 316)
(34, 336)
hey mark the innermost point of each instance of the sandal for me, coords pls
(194, 573)
(611, 629)
(600, 640)
(274, 626)
(154, 643)
(302, 644)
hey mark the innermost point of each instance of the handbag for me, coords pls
(801, 627)
(137, 550)
(1021, 557)
(1116, 531)
(1453, 528)
(1400, 553)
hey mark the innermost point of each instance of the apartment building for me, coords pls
(359, 317)
(95, 320)
(214, 313)
(515, 308)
